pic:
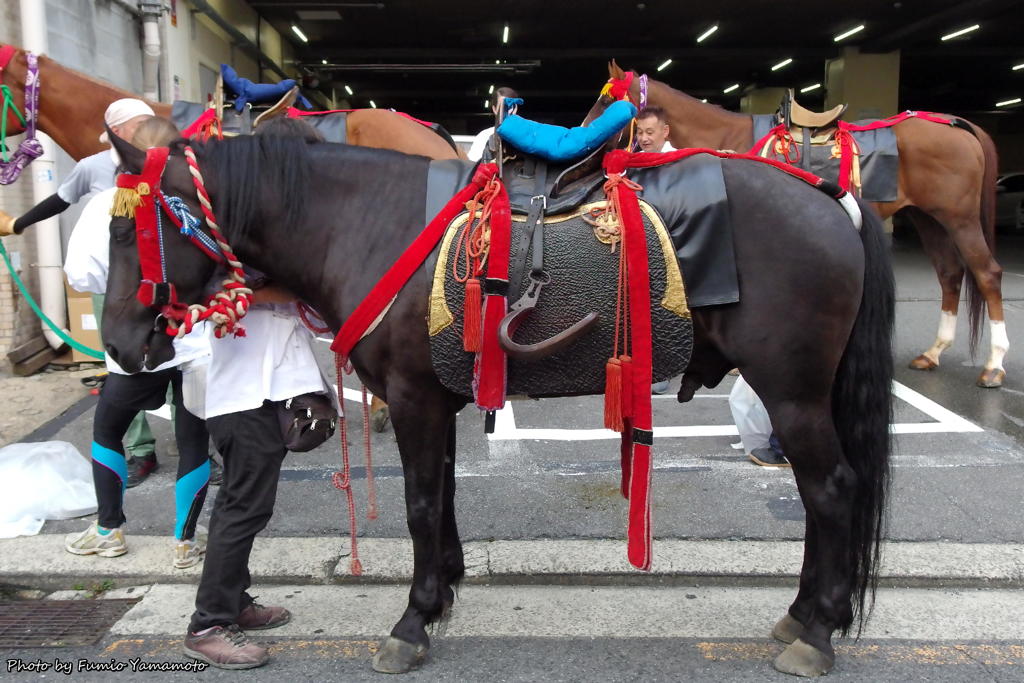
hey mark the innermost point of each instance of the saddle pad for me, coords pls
(332, 125)
(584, 275)
(184, 114)
(879, 159)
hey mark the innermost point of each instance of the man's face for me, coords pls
(126, 131)
(651, 133)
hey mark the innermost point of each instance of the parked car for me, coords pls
(1010, 201)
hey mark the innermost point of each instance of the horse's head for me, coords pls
(620, 85)
(155, 270)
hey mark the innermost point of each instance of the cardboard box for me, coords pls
(74, 293)
(84, 329)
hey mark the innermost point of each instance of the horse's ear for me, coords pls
(615, 71)
(132, 158)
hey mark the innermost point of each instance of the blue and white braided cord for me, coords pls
(190, 224)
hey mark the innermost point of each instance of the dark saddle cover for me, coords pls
(879, 156)
(685, 215)
(331, 125)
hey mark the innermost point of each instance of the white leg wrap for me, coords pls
(1000, 344)
(944, 339)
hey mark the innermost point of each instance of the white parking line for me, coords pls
(946, 421)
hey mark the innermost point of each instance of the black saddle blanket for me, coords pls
(333, 126)
(879, 159)
(583, 274)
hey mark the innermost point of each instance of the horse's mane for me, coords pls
(251, 170)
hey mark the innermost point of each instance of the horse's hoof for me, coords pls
(923, 362)
(398, 657)
(787, 629)
(991, 378)
(379, 419)
(801, 659)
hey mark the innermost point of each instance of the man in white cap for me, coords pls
(91, 174)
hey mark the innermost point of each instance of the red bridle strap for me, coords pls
(137, 196)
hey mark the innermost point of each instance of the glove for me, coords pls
(6, 224)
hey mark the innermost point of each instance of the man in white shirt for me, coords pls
(652, 130)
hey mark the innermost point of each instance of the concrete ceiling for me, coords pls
(436, 59)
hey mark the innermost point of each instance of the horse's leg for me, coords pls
(453, 563)
(827, 486)
(988, 277)
(950, 271)
(422, 419)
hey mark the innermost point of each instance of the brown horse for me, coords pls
(71, 107)
(946, 189)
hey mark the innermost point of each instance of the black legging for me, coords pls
(121, 398)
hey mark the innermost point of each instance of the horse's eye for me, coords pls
(123, 232)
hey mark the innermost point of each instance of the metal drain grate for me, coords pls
(58, 623)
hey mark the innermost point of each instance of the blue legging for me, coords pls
(121, 398)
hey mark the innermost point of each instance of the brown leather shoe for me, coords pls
(256, 617)
(225, 647)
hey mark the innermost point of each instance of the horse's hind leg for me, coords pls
(422, 422)
(453, 563)
(988, 278)
(950, 271)
(827, 486)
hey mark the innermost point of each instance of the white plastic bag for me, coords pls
(41, 481)
(750, 416)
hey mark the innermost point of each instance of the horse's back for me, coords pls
(385, 129)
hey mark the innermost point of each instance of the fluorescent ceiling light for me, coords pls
(846, 34)
(349, 90)
(811, 87)
(497, 61)
(664, 64)
(490, 91)
(373, 104)
(487, 104)
(702, 37)
(734, 86)
(957, 34)
(784, 62)
(1007, 103)
(299, 33)
(1018, 67)
(324, 61)
(504, 34)
(704, 100)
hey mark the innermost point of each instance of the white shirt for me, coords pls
(273, 361)
(476, 150)
(86, 268)
(92, 174)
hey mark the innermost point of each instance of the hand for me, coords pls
(6, 224)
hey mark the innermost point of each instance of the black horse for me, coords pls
(811, 334)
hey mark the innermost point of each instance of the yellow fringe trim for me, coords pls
(127, 200)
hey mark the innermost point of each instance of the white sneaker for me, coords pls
(189, 553)
(91, 542)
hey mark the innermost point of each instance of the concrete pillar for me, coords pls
(868, 83)
(762, 101)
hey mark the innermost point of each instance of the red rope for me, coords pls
(371, 488)
(343, 480)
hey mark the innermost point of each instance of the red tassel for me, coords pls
(472, 325)
(627, 386)
(613, 395)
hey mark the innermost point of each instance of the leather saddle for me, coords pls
(796, 116)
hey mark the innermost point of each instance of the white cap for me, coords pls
(121, 111)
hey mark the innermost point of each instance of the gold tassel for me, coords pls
(126, 200)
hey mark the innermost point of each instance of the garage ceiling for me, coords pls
(437, 59)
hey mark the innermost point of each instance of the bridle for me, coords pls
(140, 197)
(619, 89)
(30, 148)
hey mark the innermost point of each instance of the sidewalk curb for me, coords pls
(41, 562)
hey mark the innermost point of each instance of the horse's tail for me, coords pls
(862, 412)
(975, 299)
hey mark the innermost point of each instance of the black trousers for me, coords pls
(121, 399)
(251, 444)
